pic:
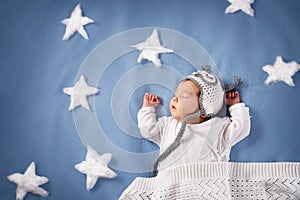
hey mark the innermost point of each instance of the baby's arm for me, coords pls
(239, 126)
(149, 126)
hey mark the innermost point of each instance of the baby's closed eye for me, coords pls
(185, 95)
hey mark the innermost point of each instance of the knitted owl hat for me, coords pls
(211, 92)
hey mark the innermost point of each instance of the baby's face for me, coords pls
(185, 101)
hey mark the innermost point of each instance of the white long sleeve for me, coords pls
(239, 126)
(150, 127)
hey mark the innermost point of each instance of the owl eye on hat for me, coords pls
(211, 91)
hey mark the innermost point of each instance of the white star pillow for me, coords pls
(76, 23)
(151, 48)
(28, 182)
(95, 166)
(281, 71)
(243, 5)
(79, 94)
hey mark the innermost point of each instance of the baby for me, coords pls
(193, 133)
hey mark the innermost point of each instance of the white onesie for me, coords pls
(209, 141)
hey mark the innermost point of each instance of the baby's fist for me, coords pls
(232, 98)
(151, 100)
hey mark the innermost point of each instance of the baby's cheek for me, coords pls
(189, 106)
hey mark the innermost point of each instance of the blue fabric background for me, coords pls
(35, 124)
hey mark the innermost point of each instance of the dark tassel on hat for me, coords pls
(237, 82)
(206, 68)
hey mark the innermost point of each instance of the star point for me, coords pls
(79, 94)
(28, 182)
(95, 167)
(151, 48)
(243, 5)
(76, 23)
(281, 71)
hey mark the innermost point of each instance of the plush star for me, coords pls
(243, 5)
(95, 166)
(28, 182)
(281, 71)
(76, 23)
(151, 48)
(79, 94)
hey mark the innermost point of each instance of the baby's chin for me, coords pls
(177, 118)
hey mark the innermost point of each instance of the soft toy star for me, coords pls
(28, 182)
(95, 166)
(76, 23)
(244, 5)
(79, 94)
(151, 48)
(281, 71)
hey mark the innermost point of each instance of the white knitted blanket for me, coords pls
(220, 180)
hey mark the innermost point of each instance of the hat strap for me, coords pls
(175, 144)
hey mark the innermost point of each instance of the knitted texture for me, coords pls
(220, 180)
(211, 92)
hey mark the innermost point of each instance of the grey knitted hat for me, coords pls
(211, 92)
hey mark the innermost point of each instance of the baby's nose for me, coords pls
(175, 99)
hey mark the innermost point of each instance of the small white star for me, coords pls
(151, 48)
(281, 71)
(76, 23)
(28, 182)
(79, 94)
(95, 166)
(243, 5)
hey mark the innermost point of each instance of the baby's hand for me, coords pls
(232, 98)
(151, 100)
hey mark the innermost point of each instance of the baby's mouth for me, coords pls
(173, 107)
